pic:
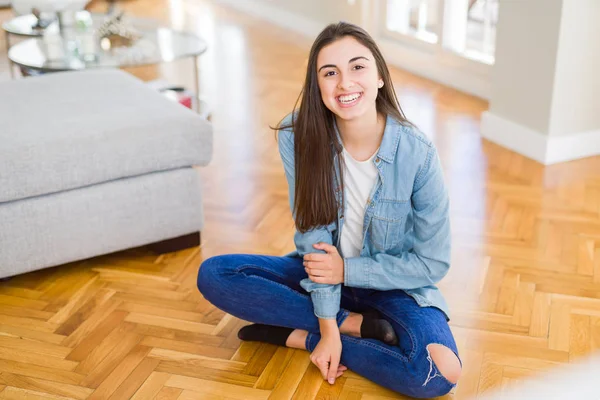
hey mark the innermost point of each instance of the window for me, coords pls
(466, 27)
(417, 18)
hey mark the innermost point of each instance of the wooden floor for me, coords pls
(524, 287)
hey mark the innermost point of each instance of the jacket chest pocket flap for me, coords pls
(387, 225)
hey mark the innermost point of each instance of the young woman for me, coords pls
(372, 233)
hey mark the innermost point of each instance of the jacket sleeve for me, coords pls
(326, 298)
(429, 259)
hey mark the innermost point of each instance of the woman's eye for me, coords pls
(358, 67)
(329, 73)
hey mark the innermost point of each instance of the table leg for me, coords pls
(10, 64)
(201, 106)
(197, 84)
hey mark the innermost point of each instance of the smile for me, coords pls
(349, 99)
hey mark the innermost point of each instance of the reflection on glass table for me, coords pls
(81, 47)
(78, 51)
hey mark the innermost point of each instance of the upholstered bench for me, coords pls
(95, 162)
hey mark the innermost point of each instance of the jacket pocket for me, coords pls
(387, 225)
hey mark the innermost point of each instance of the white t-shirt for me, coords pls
(359, 179)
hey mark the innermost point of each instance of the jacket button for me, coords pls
(377, 160)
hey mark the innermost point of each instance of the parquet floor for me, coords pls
(524, 287)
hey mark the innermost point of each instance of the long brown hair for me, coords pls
(315, 202)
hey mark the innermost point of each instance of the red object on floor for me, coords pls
(184, 98)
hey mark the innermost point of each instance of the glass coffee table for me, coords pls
(76, 51)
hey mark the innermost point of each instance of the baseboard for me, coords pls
(448, 70)
(532, 144)
(571, 147)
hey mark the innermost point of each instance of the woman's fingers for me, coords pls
(316, 272)
(333, 368)
(315, 264)
(322, 365)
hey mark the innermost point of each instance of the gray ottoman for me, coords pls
(95, 162)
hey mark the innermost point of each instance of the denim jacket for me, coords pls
(406, 228)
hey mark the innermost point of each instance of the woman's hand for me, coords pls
(325, 268)
(326, 355)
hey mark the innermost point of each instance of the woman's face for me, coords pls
(348, 78)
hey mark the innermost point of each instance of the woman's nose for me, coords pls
(345, 83)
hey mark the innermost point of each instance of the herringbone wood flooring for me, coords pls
(524, 286)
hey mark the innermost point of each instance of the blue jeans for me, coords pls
(266, 290)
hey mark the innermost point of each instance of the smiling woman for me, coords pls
(370, 206)
(347, 81)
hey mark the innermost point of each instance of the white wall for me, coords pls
(545, 99)
(526, 49)
(576, 99)
(546, 75)
(323, 11)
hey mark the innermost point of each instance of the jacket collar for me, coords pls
(391, 138)
(389, 142)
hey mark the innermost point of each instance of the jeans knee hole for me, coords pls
(444, 362)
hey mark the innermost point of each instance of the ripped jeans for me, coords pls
(266, 289)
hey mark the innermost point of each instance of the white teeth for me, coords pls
(349, 98)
